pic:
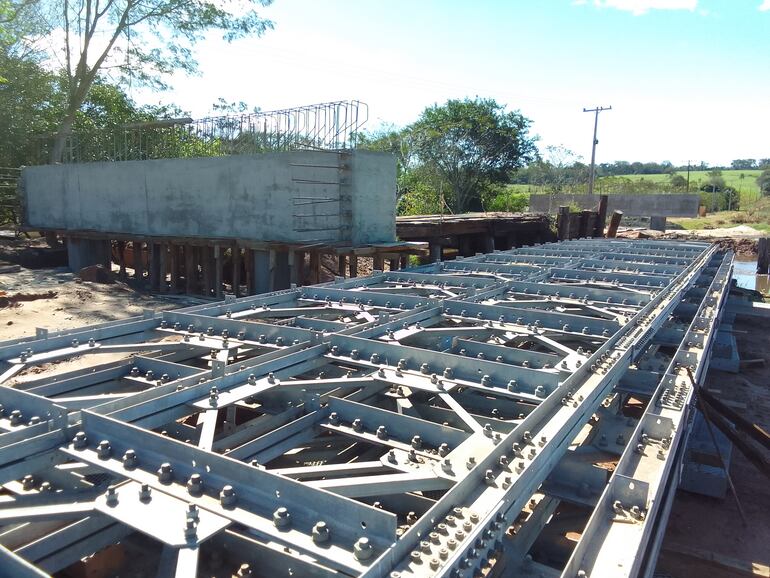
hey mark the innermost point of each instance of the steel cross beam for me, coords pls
(425, 422)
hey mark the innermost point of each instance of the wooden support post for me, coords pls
(218, 271)
(248, 265)
(378, 262)
(763, 256)
(585, 218)
(189, 269)
(489, 243)
(404, 261)
(353, 265)
(174, 265)
(394, 264)
(436, 252)
(315, 267)
(465, 246)
(601, 217)
(154, 252)
(138, 263)
(236, 270)
(272, 266)
(562, 223)
(297, 267)
(207, 270)
(162, 267)
(612, 230)
(121, 247)
(341, 264)
(658, 224)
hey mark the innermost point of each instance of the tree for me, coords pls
(677, 181)
(744, 164)
(763, 182)
(471, 143)
(145, 40)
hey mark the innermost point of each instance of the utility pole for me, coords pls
(688, 176)
(592, 174)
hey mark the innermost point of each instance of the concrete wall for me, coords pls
(639, 205)
(291, 197)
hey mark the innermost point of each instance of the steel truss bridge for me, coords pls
(436, 421)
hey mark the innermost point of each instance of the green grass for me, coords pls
(756, 216)
(746, 186)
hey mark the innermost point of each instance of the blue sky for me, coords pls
(687, 79)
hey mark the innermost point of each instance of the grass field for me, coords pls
(745, 182)
(756, 216)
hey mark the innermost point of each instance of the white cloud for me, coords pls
(638, 7)
(579, 2)
(765, 6)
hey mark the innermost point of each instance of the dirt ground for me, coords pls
(701, 527)
(44, 293)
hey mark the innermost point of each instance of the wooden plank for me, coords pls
(153, 250)
(315, 267)
(612, 230)
(121, 249)
(173, 258)
(763, 256)
(189, 266)
(378, 263)
(353, 260)
(236, 270)
(601, 217)
(218, 262)
(393, 264)
(562, 223)
(138, 262)
(162, 267)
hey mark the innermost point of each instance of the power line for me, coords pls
(592, 174)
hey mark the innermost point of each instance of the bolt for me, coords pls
(245, 570)
(446, 465)
(190, 529)
(195, 485)
(486, 380)
(363, 549)
(413, 456)
(334, 418)
(382, 432)
(103, 450)
(416, 442)
(165, 473)
(129, 459)
(112, 496)
(80, 440)
(28, 482)
(281, 517)
(321, 532)
(144, 493)
(411, 518)
(448, 373)
(488, 430)
(46, 487)
(489, 477)
(392, 456)
(16, 417)
(443, 450)
(358, 425)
